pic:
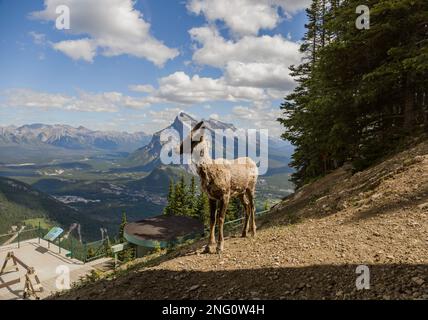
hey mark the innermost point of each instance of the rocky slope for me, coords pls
(148, 157)
(308, 247)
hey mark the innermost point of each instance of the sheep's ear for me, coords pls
(198, 126)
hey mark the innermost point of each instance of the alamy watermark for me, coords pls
(363, 21)
(62, 281)
(220, 144)
(62, 22)
(363, 280)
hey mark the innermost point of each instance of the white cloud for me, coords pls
(261, 62)
(143, 88)
(216, 51)
(246, 17)
(38, 38)
(84, 101)
(254, 69)
(160, 119)
(164, 117)
(115, 27)
(258, 117)
(84, 49)
(261, 75)
(181, 88)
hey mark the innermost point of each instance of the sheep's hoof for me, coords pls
(253, 233)
(211, 249)
(244, 235)
(220, 248)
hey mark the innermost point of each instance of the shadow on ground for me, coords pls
(313, 282)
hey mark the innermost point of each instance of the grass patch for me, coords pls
(34, 223)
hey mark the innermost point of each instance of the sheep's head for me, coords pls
(195, 138)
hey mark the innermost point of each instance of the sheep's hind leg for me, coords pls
(252, 214)
(245, 204)
(211, 246)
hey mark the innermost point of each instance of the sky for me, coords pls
(132, 66)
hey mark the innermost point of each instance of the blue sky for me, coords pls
(132, 65)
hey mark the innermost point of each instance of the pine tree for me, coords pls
(169, 209)
(183, 200)
(234, 210)
(192, 199)
(359, 92)
(266, 206)
(202, 208)
(121, 237)
(129, 253)
(180, 199)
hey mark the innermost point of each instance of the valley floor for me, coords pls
(309, 246)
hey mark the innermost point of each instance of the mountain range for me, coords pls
(67, 137)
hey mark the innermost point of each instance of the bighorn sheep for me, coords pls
(222, 180)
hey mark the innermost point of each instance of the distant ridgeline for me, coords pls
(361, 92)
(20, 205)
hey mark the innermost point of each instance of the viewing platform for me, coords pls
(47, 262)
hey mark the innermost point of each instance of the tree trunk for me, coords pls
(408, 112)
(323, 24)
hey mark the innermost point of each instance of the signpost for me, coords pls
(53, 234)
(116, 249)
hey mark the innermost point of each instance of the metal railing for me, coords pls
(84, 252)
(96, 250)
(16, 238)
(237, 222)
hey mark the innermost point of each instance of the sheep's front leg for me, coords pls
(211, 247)
(221, 217)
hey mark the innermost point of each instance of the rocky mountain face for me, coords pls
(148, 157)
(68, 137)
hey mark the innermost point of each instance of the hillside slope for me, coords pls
(159, 179)
(19, 201)
(309, 246)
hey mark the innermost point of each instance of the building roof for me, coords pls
(162, 230)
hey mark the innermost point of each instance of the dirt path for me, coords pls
(309, 246)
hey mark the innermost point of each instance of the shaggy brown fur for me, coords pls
(222, 180)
